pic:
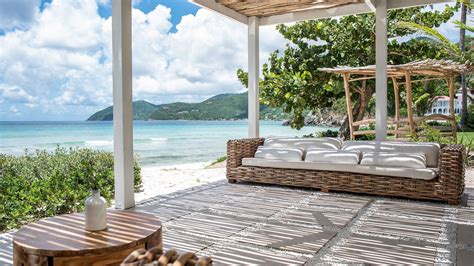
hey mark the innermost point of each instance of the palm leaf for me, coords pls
(433, 34)
(464, 26)
(467, 3)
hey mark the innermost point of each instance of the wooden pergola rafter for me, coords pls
(278, 7)
(428, 69)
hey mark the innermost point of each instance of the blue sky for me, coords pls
(179, 8)
(55, 55)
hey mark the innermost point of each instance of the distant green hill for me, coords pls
(220, 107)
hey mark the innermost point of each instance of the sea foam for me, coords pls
(99, 142)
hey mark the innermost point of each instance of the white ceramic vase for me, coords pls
(96, 212)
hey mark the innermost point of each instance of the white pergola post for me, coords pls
(381, 69)
(122, 94)
(253, 70)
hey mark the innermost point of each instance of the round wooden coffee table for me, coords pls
(62, 240)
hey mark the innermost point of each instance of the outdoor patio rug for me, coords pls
(271, 225)
(256, 224)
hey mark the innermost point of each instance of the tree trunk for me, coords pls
(462, 43)
(358, 111)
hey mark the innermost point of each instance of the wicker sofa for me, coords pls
(447, 185)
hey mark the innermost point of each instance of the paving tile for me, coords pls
(466, 215)
(464, 257)
(395, 226)
(465, 235)
(241, 255)
(288, 237)
(214, 226)
(283, 196)
(164, 213)
(317, 217)
(183, 243)
(375, 250)
(413, 209)
(250, 207)
(231, 190)
(6, 249)
(194, 202)
(327, 200)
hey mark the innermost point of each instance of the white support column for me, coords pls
(381, 24)
(123, 114)
(253, 60)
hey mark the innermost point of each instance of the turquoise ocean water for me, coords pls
(158, 143)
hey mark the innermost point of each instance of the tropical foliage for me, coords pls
(458, 52)
(44, 184)
(291, 79)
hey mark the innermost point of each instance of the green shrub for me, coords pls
(470, 117)
(219, 160)
(429, 134)
(371, 126)
(327, 134)
(44, 184)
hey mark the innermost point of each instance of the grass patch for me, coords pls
(219, 160)
(466, 138)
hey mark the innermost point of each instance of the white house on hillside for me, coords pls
(441, 103)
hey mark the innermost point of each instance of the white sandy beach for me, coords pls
(168, 179)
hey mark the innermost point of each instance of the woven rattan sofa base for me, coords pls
(448, 186)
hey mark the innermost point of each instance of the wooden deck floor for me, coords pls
(268, 225)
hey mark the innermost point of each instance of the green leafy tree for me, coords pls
(291, 80)
(425, 96)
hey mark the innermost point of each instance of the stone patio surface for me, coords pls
(271, 225)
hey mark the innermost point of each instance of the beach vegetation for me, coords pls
(219, 160)
(42, 184)
(327, 134)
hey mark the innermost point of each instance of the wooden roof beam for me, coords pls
(310, 14)
(350, 9)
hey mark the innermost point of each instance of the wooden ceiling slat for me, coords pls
(275, 7)
(428, 67)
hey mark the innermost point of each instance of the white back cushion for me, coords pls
(415, 161)
(332, 156)
(304, 143)
(429, 149)
(285, 154)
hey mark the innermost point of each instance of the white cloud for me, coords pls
(200, 59)
(59, 60)
(15, 111)
(16, 94)
(17, 13)
(60, 66)
(64, 58)
(69, 24)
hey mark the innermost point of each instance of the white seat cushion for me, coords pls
(429, 149)
(332, 156)
(416, 161)
(423, 174)
(304, 143)
(284, 154)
